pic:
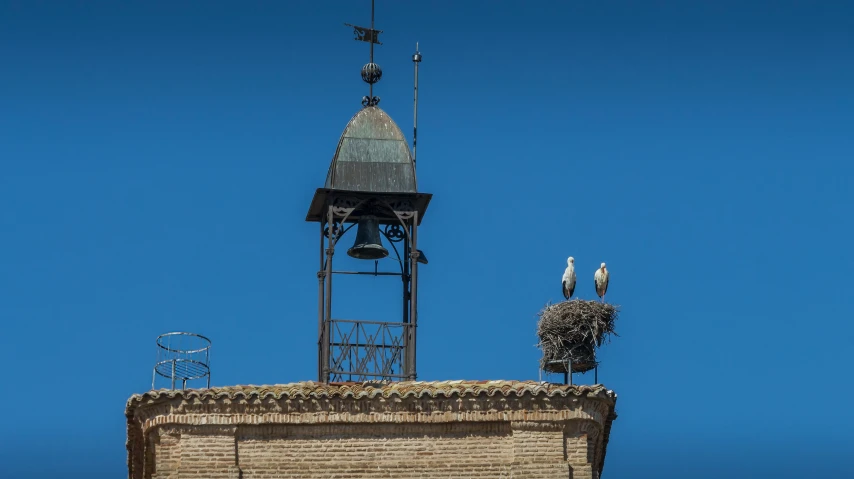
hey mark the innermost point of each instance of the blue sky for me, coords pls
(157, 160)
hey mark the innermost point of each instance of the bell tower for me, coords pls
(371, 185)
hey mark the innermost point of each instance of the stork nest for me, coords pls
(572, 330)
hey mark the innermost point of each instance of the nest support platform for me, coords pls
(569, 333)
(579, 358)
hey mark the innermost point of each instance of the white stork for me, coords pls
(569, 278)
(601, 280)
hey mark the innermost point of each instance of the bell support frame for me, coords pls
(367, 349)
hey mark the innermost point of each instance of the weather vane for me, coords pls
(371, 73)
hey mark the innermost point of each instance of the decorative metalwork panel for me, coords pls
(343, 206)
(404, 209)
(394, 233)
(337, 230)
(364, 350)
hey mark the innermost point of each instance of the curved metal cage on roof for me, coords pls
(372, 156)
(182, 358)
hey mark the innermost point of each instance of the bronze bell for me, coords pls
(368, 242)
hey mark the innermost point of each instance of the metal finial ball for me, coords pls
(371, 73)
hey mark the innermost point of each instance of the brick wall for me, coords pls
(525, 436)
(374, 450)
(457, 450)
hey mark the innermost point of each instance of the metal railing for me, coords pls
(182, 357)
(365, 350)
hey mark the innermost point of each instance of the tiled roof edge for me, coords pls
(310, 389)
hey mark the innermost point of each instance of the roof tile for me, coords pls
(311, 389)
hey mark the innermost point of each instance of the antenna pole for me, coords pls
(416, 59)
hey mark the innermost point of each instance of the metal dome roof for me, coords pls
(372, 156)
